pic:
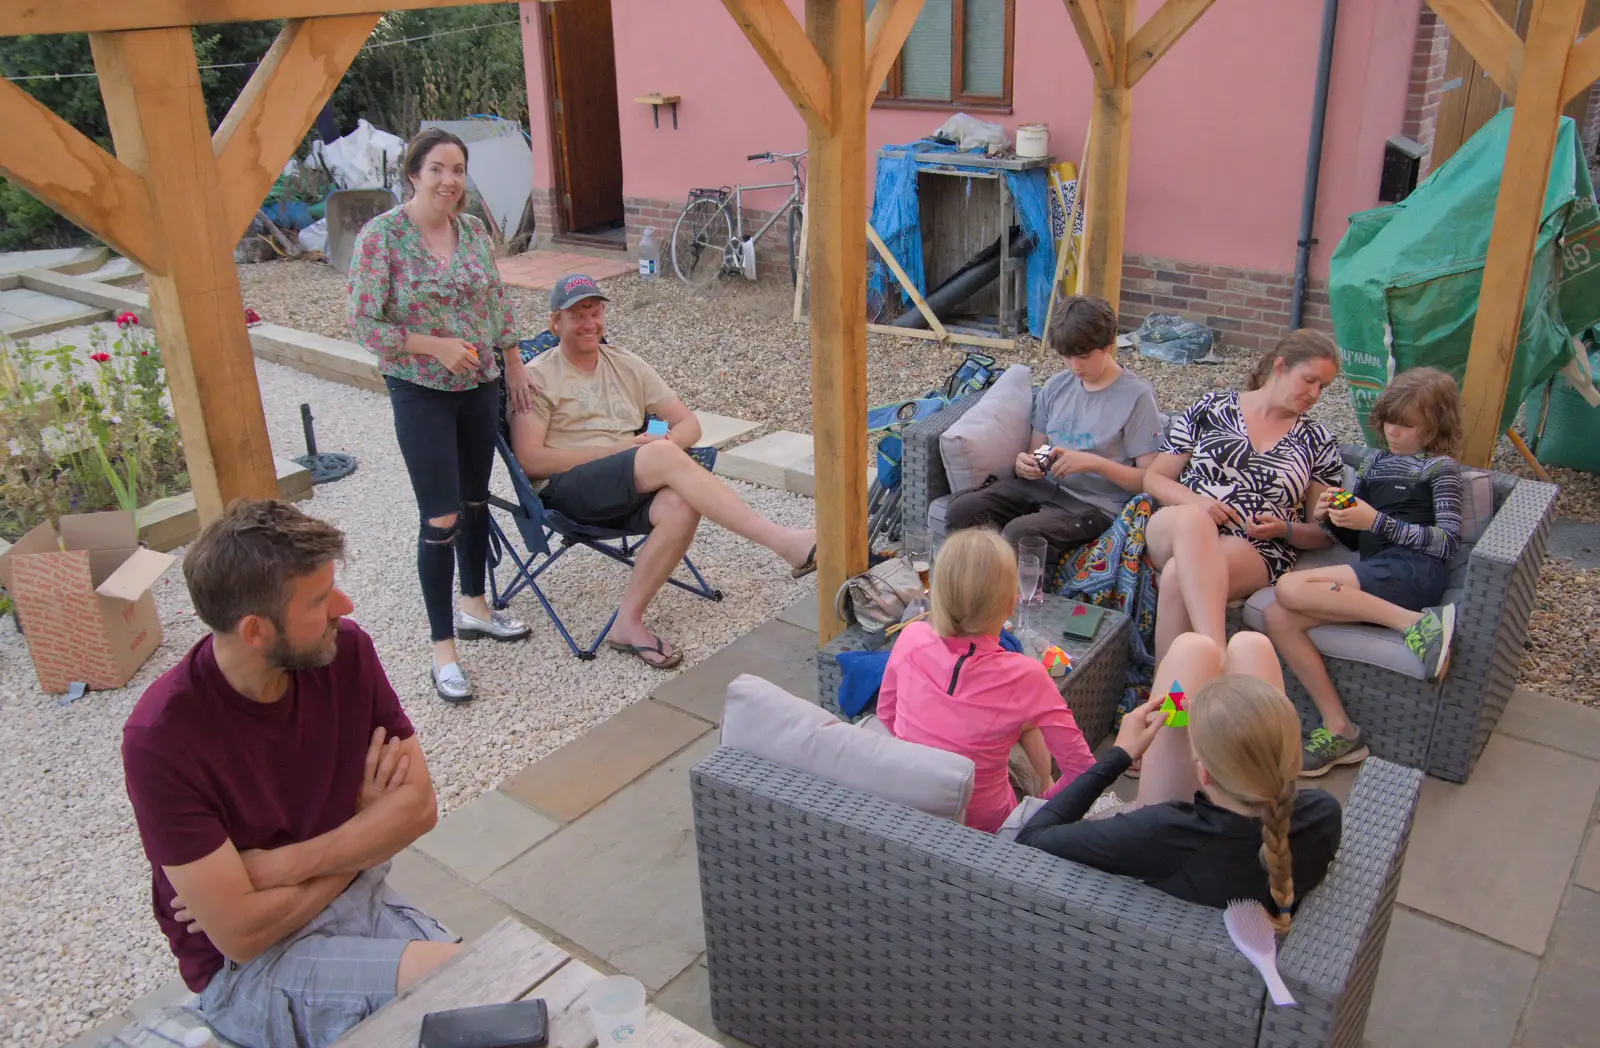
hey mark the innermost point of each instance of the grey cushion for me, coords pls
(1477, 503)
(1373, 645)
(936, 515)
(763, 719)
(986, 440)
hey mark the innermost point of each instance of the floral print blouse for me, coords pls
(397, 287)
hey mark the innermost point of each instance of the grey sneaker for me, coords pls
(450, 682)
(499, 626)
(1429, 639)
(1325, 750)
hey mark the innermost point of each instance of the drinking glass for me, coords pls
(1030, 572)
(916, 549)
(1035, 546)
(616, 1006)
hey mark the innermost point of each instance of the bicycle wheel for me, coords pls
(796, 220)
(699, 241)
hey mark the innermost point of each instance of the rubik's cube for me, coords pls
(1174, 705)
(1342, 499)
(1058, 662)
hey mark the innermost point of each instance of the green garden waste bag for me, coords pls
(1403, 283)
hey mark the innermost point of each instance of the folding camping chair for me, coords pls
(538, 525)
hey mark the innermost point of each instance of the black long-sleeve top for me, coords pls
(1195, 851)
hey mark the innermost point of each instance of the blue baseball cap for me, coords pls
(572, 289)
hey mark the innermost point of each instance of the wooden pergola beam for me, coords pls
(1163, 29)
(887, 29)
(1100, 44)
(1106, 177)
(778, 38)
(61, 166)
(1583, 68)
(1493, 43)
(1535, 121)
(151, 84)
(276, 108)
(20, 17)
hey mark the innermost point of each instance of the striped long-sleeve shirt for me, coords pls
(1402, 488)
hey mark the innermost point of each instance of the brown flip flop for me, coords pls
(638, 651)
(808, 567)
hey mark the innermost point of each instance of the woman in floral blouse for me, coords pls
(426, 298)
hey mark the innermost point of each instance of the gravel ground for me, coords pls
(74, 886)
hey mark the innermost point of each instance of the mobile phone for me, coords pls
(520, 1024)
(656, 428)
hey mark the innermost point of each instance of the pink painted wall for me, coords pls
(1219, 130)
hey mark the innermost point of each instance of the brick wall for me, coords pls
(1427, 83)
(1248, 308)
(545, 224)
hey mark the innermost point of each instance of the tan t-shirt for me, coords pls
(593, 409)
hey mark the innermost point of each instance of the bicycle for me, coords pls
(708, 240)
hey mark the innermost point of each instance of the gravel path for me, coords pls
(74, 886)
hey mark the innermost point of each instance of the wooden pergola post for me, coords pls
(830, 70)
(1119, 56)
(1541, 76)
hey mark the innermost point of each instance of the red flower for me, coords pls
(144, 352)
(127, 320)
(99, 358)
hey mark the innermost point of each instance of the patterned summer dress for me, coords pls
(1224, 466)
(397, 286)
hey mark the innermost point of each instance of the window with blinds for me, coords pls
(958, 53)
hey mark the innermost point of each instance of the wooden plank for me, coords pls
(151, 87)
(905, 282)
(1583, 68)
(838, 157)
(106, 16)
(1492, 42)
(1163, 29)
(258, 136)
(1100, 43)
(503, 965)
(957, 338)
(61, 166)
(887, 29)
(776, 35)
(1106, 173)
(1068, 241)
(1517, 211)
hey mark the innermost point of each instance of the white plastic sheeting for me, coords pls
(366, 158)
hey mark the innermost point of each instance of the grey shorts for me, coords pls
(309, 989)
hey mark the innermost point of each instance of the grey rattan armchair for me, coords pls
(836, 919)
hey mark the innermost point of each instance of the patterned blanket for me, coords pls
(1112, 572)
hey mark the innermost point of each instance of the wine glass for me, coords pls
(1030, 572)
(1036, 546)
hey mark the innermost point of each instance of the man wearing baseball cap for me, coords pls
(583, 443)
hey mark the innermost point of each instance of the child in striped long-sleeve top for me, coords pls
(1406, 524)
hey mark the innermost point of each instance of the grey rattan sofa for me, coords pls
(837, 919)
(1440, 727)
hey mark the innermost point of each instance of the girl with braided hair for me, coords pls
(1219, 815)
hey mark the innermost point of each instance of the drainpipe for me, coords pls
(1308, 201)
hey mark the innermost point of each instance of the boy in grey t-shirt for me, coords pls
(1103, 426)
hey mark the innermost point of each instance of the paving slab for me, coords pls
(1575, 540)
(622, 882)
(465, 910)
(782, 459)
(1562, 1014)
(1552, 722)
(777, 651)
(1440, 985)
(88, 292)
(802, 613)
(604, 759)
(718, 431)
(49, 258)
(1588, 873)
(25, 313)
(688, 1000)
(484, 835)
(1494, 854)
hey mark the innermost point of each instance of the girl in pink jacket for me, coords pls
(951, 685)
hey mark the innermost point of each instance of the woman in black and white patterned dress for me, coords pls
(1235, 480)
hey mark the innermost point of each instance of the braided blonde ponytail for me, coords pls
(1247, 735)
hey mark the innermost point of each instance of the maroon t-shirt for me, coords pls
(204, 764)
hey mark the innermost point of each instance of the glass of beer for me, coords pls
(916, 548)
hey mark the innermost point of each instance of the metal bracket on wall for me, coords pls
(656, 101)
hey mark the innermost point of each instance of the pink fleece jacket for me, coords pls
(970, 696)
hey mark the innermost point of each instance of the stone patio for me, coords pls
(538, 270)
(1495, 941)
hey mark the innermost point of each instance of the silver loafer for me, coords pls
(450, 683)
(499, 626)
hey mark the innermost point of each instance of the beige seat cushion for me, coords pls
(986, 440)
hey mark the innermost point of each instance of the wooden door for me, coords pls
(1471, 98)
(582, 72)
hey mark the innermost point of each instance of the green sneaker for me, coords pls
(1325, 750)
(1429, 639)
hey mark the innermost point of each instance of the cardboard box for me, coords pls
(84, 599)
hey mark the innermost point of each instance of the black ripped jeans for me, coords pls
(447, 440)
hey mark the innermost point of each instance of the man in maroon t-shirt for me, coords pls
(273, 776)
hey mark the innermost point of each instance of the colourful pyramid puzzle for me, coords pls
(1173, 705)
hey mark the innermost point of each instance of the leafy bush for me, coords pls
(79, 440)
